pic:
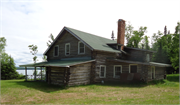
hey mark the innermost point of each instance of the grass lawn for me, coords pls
(157, 92)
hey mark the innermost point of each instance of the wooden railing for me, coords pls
(38, 78)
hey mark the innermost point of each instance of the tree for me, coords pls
(51, 40)
(34, 50)
(128, 31)
(2, 44)
(167, 48)
(44, 58)
(8, 69)
(174, 49)
(154, 40)
(145, 43)
(136, 38)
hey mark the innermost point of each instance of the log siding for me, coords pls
(61, 41)
(80, 74)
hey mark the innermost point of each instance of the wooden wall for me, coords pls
(58, 75)
(61, 41)
(80, 74)
(100, 60)
(143, 71)
(159, 73)
(136, 55)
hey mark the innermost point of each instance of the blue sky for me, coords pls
(25, 22)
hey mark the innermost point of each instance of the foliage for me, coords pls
(34, 50)
(2, 44)
(44, 58)
(134, 37)
(128, 31)
(21, 76)
(8, 69)
(162, 46)
(43, 72)
(145, 43)
(51, 40)
(35, 73)
(167, 48)
(173, 53)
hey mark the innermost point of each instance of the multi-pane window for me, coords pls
(81, 48)
(117, 71)
(102, 71)
(56, 50)
(67, 49)
(132, 68)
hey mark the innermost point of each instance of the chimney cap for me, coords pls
(121, 20)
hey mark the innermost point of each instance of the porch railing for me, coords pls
(38, 78)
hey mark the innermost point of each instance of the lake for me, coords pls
(30, 70)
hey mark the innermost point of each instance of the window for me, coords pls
(56, 51)
(117, 71)
(81, 48)
(102, 71)
(67, 49)
(147, 57)
(133, 68)
(153, 72)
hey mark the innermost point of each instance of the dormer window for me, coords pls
(56, 51)
(81, 48)
(67, 49)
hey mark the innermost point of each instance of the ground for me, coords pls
(157, 92)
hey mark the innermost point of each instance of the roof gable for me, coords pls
(92, 41)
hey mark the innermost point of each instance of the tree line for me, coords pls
(166, 45)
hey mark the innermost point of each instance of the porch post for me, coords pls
(45, 74)
(41, 73)
(26, 73)
(35, 73)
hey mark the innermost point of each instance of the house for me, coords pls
(76, 57)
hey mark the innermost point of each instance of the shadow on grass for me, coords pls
(48, 88)
(42, 86)
(130, 84)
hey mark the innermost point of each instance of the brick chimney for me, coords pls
(121, 33)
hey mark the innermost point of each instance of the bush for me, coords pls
(173, 77)
(8, 69)
(21, 76)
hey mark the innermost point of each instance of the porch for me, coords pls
(56, 72)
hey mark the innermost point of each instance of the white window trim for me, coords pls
(114, 69)
(69, 48)
(54, 51)
(152, 71)
(104, 71)
(79, 47)
(130, 67)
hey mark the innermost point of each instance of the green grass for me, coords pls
(155, 92)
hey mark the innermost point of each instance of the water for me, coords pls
(21, 70)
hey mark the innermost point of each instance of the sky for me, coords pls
(26, 22)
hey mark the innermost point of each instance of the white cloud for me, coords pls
(31, 22)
